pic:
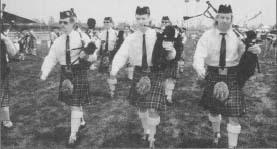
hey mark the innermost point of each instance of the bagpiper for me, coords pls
(69, 50)
(174, 67)
(108, 39)
(147, 89)
(216, 59)
(94, 37)
(8, 50)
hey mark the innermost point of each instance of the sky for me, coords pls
(124, 10)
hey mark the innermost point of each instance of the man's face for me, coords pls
(165, 23)
(107, 24)
(66, 25)
(224, 21)
(91, 25)
(142, 20)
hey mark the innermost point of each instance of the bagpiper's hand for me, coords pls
(171, 55)
(201, 74)
(92, 58)
(255, 49)
(181, 65)
(168, 45)
(42, 77)
(112, 77)
(83, 55)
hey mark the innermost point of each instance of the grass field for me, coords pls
(42, 122)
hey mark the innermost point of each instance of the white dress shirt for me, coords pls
(112, 38)
(57, 53)
(131, 50)
(208, 49)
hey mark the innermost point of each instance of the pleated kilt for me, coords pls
(79, 79)
(235, 105)
(4, 91)
(155, 98)
(104, 63)
(171, 70)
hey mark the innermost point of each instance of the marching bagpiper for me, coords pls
(94, 37)
(175, 66)
(219, 50)
(69, 50)
(147, 90)
(108, 39)
(8, 50)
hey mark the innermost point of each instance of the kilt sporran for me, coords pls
(155, 98)
(234, 105)
(144, 85)
(74, 87)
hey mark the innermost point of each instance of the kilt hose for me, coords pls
(4, 91)
(155, 98)
(79, 79)
(235, 105)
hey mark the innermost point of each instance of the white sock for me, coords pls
(233, 133)
(152, 123)
(143, 118)
(130, 72)
(169, 87)
(75, 121)
(215, 120)
(6, 113)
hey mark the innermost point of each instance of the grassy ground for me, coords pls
(43, 122)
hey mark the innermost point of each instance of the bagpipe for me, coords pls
(160, 56)
(88, 49)
(107, 56)
(248, 61)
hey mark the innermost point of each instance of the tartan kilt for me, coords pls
(4, 92)
(79, 79)
(104, 63)
(155, 98)
(235, 105)
(171, 70)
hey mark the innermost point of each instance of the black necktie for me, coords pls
(222, 58)
(107, 41)
(144, 54)
(67, 57)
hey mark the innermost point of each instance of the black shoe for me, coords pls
(73, 142)
(216, 139)
(82, 126)
(145, 137)
(152, 144)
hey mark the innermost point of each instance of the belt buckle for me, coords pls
(222, 71)
(146, 70)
